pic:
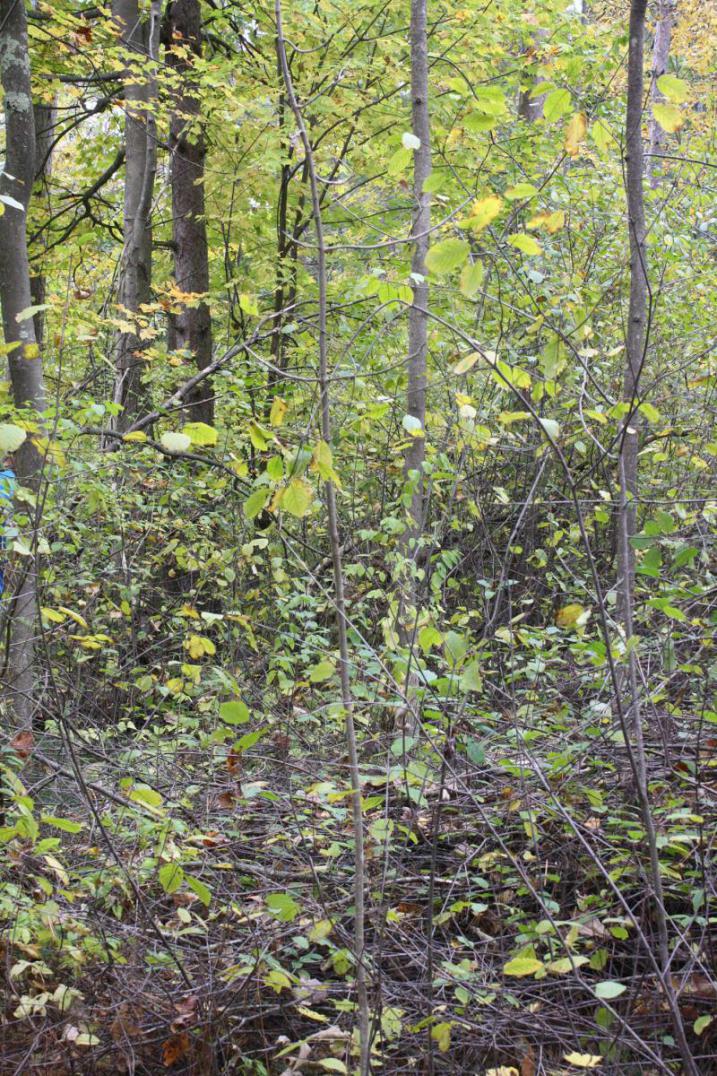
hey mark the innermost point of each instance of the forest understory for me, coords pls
(358, 575)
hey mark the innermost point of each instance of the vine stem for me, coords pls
(335, 542)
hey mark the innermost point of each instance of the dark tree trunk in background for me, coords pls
(141, 38)
(192, 327)
(660, 60)
(45, 115)
(531, 108)
(24, 361)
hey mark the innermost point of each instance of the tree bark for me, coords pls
(140, 38)
(24, 362)
(44, 116)
(660, 60)
(417, 317)
(192, 327)
(531, 108)
(637, 312)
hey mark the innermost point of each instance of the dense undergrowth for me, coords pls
(178, 878)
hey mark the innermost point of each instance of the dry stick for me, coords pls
(339, 600)
(417, 321)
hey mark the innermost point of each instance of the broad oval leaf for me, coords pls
(11, 437)
(174, 442)
(446, 256)
(520, 966)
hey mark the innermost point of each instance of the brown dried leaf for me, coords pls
(174, 1049)
(22, 743)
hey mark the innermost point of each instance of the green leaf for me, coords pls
(471, 279)
(297, 498)
(602, 136)
(441, 1035)
(651, 413)
(609, 989)
(701, 1023)
(551, 427)
(199, 433)
(525, 243)
(30, 311)
(412, 425)
(321, 671)
(428, 637)
(521, 966)
(471, 679)
(520, 192)
(200, 890)
(673, 88)
(651, 563)
(456, 647)
(11, 437)
(476, 752)
(172, 441)
(255, 502)
(146, 796)
(171, 876)
(283, 907)
(274, 469)
(400, 161)
(234, 712)
(444, 257)
(259, 437)
(323, 462)
(249, 304)
(557, 103)
(64, 824)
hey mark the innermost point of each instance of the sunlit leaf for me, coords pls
(669, 117)
(446, 256)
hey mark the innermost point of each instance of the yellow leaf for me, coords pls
(136, 435)
(466, 363)
(279, 408)
(521, 966)
(572, 616)
(441, 1034)
(32, 351)
(198, 646)
(483, 212)
(575, 133)
(52, 615)
(583, 1061)
(75, 616)
(669, 117)
(552, 222)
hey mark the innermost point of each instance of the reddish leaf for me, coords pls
(174, 1049)
(22, 743)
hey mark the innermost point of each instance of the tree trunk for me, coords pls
(192, 326)
(637, 313)
(531, 108)
(140, 38)
(44, 116)
(24, 361)
(417, 318)
(660, 60)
